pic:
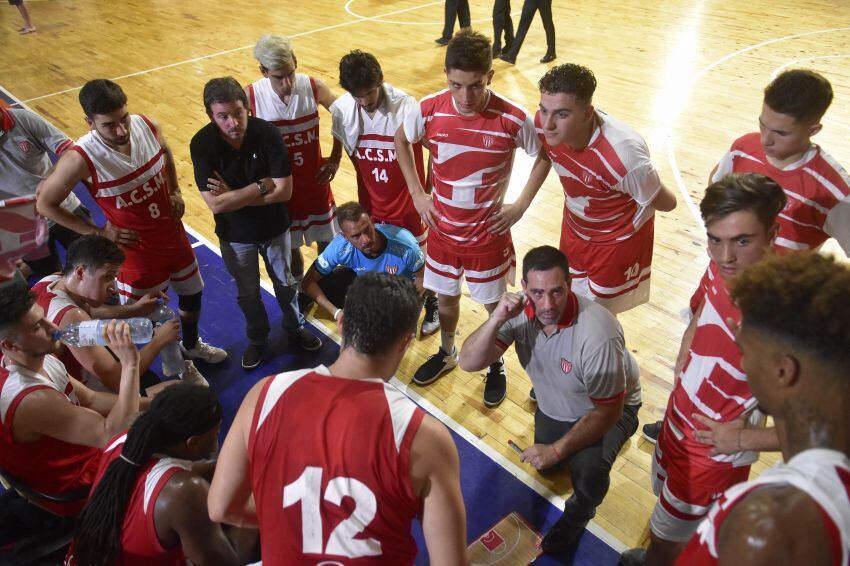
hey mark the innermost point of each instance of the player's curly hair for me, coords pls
(800, 93)
(569, 79)
(359, 71)
(743, 191)
(16, 300)
(379, 309)
(801, 298)
(469, 51)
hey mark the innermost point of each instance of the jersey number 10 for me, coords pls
(341, 542)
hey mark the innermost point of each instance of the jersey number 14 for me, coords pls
(380, 175)
(307, 489)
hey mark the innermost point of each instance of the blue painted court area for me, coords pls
(491, 489)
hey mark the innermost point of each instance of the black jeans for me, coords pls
(590, 467)
(528, 9)
(502, 23)
(459, 9)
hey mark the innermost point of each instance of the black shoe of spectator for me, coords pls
(633, 557)
(548, 58)
(562, 539)
(305, 339)
(507, 58)
(251, 356)
(651, 431)
(442, 41)
(495, 387)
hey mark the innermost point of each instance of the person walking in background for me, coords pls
(454, 9)
(502, 23)
(528, 9)
(28, 27)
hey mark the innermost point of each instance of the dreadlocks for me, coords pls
(176, 414)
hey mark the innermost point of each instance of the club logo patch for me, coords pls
(587, 177)
(489, 141)
(391, 269)
(566, 365)
(24, 146)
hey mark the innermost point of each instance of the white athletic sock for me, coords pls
(448, 341)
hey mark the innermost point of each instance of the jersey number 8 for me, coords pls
(341, 542)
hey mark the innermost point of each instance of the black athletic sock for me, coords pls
(190, 334)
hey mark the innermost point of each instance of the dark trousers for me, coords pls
(459, 9)
(502, 23)
(590, 467)
(529, 7)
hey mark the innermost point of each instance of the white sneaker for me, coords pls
(204, 352)
(192, 375)
(431, 321)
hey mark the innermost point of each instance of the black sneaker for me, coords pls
(252, 356)
(651, 431)
(506, 57)
(435, 366)
(548, 58)
(442, 41)
(562, 539)
(532, 396)
(633, 557)
(495, 386)
(305, 339)
(431, 321)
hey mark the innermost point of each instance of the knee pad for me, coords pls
(190, 303)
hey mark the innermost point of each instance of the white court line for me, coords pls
(671, 148)
(235, 49)
(482, 446)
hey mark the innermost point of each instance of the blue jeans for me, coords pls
(242, 263)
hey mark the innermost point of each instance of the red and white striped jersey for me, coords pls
(140, 545)
(133, 190)
(472, 157)
(298, 122)
(712, 381)
(609, 185)
(817, 187)
(370, 141)
(329, 462)
(824, 475)
(47, 465)
(56, 304)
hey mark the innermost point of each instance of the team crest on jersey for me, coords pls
(489, 141)
(587, 177)
(566, 365)
(391, 269)
(24, 146)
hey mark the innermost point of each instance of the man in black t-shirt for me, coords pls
(242, 170)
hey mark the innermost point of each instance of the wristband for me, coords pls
(336, 313)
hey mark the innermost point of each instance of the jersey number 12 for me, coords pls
(341, 542)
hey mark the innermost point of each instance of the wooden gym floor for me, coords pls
(687, 74)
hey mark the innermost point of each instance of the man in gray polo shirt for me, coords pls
(585, 380)
(25, 140)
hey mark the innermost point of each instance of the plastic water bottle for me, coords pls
(170, 356)
(90, 332)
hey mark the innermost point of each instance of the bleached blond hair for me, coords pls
(274, 51)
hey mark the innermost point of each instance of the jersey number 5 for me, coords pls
(341, 542)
